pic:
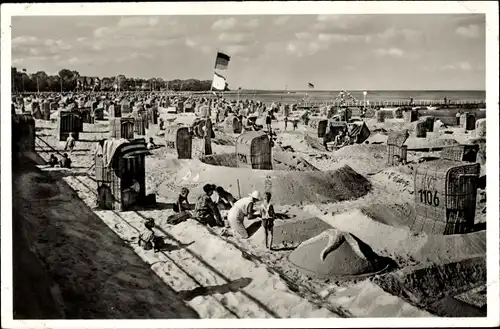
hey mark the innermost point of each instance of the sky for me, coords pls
(352, 52)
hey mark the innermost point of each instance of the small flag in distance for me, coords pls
(221, 61)
(310, 85)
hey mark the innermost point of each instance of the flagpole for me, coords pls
(215, 65)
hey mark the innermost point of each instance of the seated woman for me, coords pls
(131, 194)
(206, 211)
(182, 203)
(226, 199)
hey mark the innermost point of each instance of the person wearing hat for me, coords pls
(205, 210)
(242, 208)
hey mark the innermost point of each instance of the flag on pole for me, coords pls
(310, 85)
(219, 82)
(221, 61)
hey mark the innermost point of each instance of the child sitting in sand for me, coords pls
(148, 239)
(151, 144)
(267, 215)
(53, 161)
(182, 203)
(65, 161)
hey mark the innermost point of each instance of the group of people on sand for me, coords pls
(64, 162)
(341, 138)
(209, 213)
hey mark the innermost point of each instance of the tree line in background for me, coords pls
(67, 81)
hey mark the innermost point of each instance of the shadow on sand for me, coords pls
(232, 286)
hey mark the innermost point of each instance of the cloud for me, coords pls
(61, 45)
(303, 35)
(282, 20)
(237, 38)
(191, 43)
(301, 48)
(465, 66)
(393, 33)
(206, 49)
(346, 24)
(253, 23)
(459, 66)
(337, 38)
(37, 48)
(134, 55)
(102, 32)
(236, 49)
(24, 40)
(470, 31)
(137, 21)
(392, 52)
(224, 24)
(73, 60)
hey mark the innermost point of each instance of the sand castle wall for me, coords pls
(294, 187)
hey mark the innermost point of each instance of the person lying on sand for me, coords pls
(267, 214)
(244, 207)
(206, 211)
(226, 199)
(182, 203)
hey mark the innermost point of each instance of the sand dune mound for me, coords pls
(335, 254)
(297, 187)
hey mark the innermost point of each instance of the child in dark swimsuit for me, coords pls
(268, 215)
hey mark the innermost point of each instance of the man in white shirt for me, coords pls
(242, 208)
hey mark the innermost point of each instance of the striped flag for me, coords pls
(219, 82)
(222, 61)
(310, 85)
